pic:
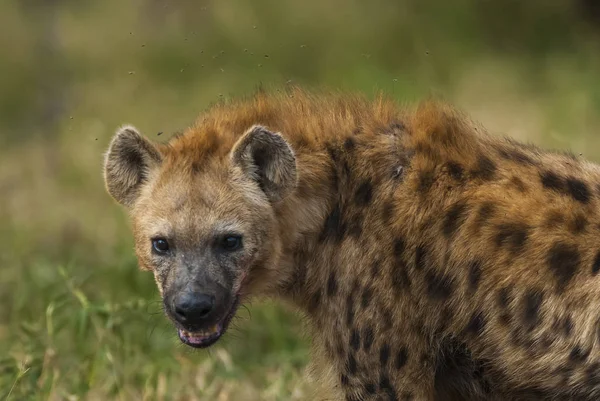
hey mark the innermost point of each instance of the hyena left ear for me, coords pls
(268, 159)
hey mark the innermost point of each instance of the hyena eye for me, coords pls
(160, 245)
(231, 242)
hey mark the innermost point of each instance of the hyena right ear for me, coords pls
(128, 161)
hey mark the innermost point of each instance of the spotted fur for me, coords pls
(434, 261)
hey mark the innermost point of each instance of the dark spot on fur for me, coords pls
(454, 218)
(386, 387)
(386, 318)
(331, 285)
(341, 351)
(400, 279)
(546, 341)
(420, 256)
(349, 310)
(578, 190)
(368, 338)
(355, 228)
(196, 167)
(334, 227)
(485, 169)
(426, 358)
(401, 358)
(505, 154)
(476, 323)
(474, 275)
(399, 247)
(578, 355)
(384, 354)
(513, 235)
(425, 181)
(486, 211)
(518, 184)
(301, 256)
(351, 365)
(364, 194)
(355, 340)
(516, 156)
(366, 297)
(355, 286)
(552, 181)
(370, 388)
(335, 180)
(314, 302)
(563, 261)
(596, 264)
(504, 297)
(455, 170)
(578, 224)
(344, 380)
(566, 372)
(349, 144)
(592, 374)
(439, 286)
(531, 309)
(567, 326)
(563, 325)
(375, 268)
(346, 170)
(397, 126)
(384, 382)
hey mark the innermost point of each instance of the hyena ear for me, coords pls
(268, 159)
(128, 161)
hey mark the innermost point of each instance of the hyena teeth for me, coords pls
(203, 333)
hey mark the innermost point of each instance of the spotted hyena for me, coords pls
(434, 261)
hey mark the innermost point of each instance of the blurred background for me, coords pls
(78, 321)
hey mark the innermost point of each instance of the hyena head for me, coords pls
(203, 218)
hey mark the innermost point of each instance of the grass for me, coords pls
(78, 321)
(72, 344)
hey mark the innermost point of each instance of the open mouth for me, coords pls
(207, 337)
(201, 339)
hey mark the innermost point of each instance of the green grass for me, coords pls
(68, 341)
(78, 321)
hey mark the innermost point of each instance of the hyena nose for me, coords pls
(193, 307)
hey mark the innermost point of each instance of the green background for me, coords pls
(78, 321)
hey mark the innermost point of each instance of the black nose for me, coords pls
(193, 307)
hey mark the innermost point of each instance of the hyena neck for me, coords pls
(333, 218)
